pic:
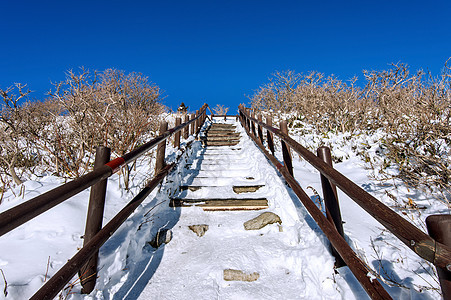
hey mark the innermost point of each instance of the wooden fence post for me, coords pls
(253, 124)
(88, 273)
(191, 127)
(161, 149)
(197, 122)
(259, 129)
(439, 228)
(178, 121)
(248, 122)
(269, 136)
(186, 129)
(331, 202)
(285, 149)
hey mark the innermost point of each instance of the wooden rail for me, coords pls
(421, 243)
(26, 211)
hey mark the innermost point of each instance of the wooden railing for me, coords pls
(422, 244)
(26, 211)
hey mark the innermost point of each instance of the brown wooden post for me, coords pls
(285, 149)
(248, 122)
(253, 125)
(269, 136)
(439, 228)
(191, 127)
(161, 149)
(197, 122)
(178, 121)
(88, 273)
(331, 202)
(259, 129)
(186, 129)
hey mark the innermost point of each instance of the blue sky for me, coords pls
(217, 51)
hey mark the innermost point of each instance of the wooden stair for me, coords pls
(219, 166)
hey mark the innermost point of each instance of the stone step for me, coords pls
(222, 204)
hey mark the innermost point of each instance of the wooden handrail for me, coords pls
(360, 270)
(421, 243)
(30, 209)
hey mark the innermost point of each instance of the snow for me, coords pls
(293, 260)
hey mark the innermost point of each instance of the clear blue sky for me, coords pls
(217, 51)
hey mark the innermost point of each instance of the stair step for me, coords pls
(238, 189)
(221, 143)
(222, 133)
(222, 181)
(221, 129)
(222, 204)
(222, 125)
(223, 138)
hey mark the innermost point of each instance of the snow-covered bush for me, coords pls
(88, 109)
(413, 111)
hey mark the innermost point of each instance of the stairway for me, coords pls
(223, 179)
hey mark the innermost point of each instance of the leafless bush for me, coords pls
(112, 108)
(220, 109)
(412, 109)
(86, 110)
(15, 149)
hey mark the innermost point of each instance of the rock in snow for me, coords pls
(262, 220)
(163, 236)
(199, 229)
(238, 275)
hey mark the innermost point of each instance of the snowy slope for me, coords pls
(294, 263)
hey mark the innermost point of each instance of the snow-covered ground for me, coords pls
(293, 261)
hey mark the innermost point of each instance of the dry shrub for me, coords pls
(86, 110)
(413, 110)
(220, 110)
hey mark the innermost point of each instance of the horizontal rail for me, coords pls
(30, 209)
(421, 243)
(355, 264)
(57, 282)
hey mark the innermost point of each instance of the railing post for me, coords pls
(331, 202)
(259, 129)
(439, 228)
(269, 136)
(197, 122)
(285, 149)
(178, 121)
(191, 127)
(88, 273)
(161, 149)
(253, 125)
(248, 122)
(186, 129)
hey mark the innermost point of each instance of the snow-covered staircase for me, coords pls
(287, 260)
(223, 179)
